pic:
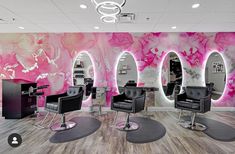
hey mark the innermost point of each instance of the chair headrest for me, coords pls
(131, 83)
(132, 92)
(196, 92)
(74, 90)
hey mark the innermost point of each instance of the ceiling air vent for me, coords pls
(126, 18)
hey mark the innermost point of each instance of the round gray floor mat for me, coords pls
(85, 126)
(149, 130)
(216, 129)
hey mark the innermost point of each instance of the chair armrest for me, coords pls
(54, 98)
(180, 97)
(70, 103)
(205, 104)
(119, 97)
(138, 103)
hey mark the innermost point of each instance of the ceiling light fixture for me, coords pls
(173, 27)
(96, 27)
(83, 6)
(20, 27)
(109, 10)
(196, 5)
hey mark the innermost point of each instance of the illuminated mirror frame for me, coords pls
(116, 67)
(93, 65)
(226, 73)
(160, 78)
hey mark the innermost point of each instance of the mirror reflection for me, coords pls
(171, 75)
(215, 75)
(126, 71)
(83, 73)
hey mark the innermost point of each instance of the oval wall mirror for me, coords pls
(83, 73)
(126, 73)
(171, 75)
(215, 75)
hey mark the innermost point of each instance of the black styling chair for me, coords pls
(63, 103)
(131, 101)
(196, 100)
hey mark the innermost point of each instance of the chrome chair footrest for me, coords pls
(59, 127)
(196, 126)
(124, 127)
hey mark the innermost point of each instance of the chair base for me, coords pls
(196, 126)
(127, 127)
(60, 127)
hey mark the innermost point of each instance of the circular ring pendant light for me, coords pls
(109, 10)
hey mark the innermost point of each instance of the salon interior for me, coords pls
(117, 76)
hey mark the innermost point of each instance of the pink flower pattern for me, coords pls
(47, 58)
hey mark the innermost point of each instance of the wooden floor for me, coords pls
(111, 141)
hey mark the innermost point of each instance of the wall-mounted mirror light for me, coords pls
(126, 73)
(171, 75)
(83, 73)
(215, 75)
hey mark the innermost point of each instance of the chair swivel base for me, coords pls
(60, 127)
(127, 127)
(196, 126)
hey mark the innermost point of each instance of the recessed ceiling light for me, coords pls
(96, 27)
(83, 6)
(196, 5)
(21, 27)
(173, 27)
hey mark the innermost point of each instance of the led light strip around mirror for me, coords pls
(204, 72)
(78, 57)
(124, 53)
(160, 76)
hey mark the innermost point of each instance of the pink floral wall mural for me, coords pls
(47, 58)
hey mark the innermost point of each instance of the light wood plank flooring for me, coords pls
(108, 140)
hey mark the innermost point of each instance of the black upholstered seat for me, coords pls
(123, 105)
(66, 102)
(195, 99)
(187, 104)
(130, 101)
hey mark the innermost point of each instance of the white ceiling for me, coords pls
(67, 16)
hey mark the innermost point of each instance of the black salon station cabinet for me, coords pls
(16, 102)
